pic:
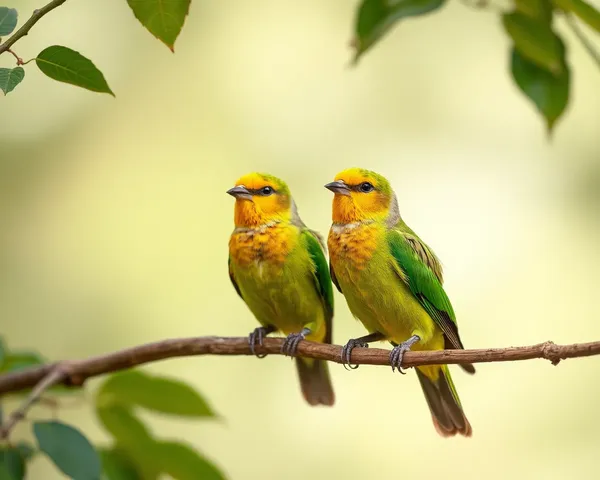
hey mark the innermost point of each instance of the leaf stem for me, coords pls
(572, 23)
(19, 59)
(24, 30)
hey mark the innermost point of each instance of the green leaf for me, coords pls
(182, 462)
(116, 465)
(535, 40)
(538, 9)
(4, 473)
(375, 17)
(123, 425)
(12, 463)
(70, 451)
(68, 66)
(160, 394)
(26, 450)
(10, 78)
(163, 18)
(19, 360)
(8, 20)
(549, 93)
(3, 352)
(581, 9)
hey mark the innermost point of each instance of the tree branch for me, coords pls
(24, 30)
(57, 375)
(76, 372)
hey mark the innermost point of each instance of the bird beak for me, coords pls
(240, 192)
(338, 187)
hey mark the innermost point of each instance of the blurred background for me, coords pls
(114, 225)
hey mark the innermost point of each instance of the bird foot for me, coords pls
(397, 353)
(290, 345)
(256, 337)
(347, 352)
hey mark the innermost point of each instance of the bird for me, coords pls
(392, 283)
(278, 266)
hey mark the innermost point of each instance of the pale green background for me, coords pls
(114, 225)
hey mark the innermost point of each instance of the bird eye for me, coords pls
(266, 191)
(366, 187)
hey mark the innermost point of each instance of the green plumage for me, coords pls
(290, 295)
(392, 282)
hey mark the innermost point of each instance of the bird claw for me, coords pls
(347, 352)
(290, 345)
(256, 337)
(397, 353)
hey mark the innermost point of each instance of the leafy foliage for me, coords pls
(10, 78)
(135, 453)
(135, 448)
(182, 462)
(68, 449)
(12, 464)
(8, 20)
(117, 466)
(376, 17)
(581, 9)
(163, 19)
(162, 395)
(538, 57)
(69, 66)
(549, 92)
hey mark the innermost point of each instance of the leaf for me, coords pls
(26, 450)
(10, 78)
(68, 66)
(548, 92)
(535, 40)
(3, 352)
(70, 451)
(163, 18)
(123, 425)
(160, 394)
(586, 12)
(182, 462)
(538, 9)
(4, 473)
(19, 360)
(117, 466)
(12, 462)
(8, 20)
(375, 17)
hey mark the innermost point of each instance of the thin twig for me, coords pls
(24, 30)
(56, 375)
(19, 59)
(79, 371)
(582, 38)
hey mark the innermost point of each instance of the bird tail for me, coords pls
(315, 381)
(444, 404)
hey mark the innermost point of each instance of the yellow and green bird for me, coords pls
(278, 266)
(392, 282)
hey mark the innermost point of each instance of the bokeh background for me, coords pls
(114, 225)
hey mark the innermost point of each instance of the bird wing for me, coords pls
(322, 279)
(334, 279)
(232, 278)
(419, 268)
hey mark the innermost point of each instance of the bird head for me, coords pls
(260, 199)
(361, 195)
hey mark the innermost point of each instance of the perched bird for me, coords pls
(392, 282)
(278, 266)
